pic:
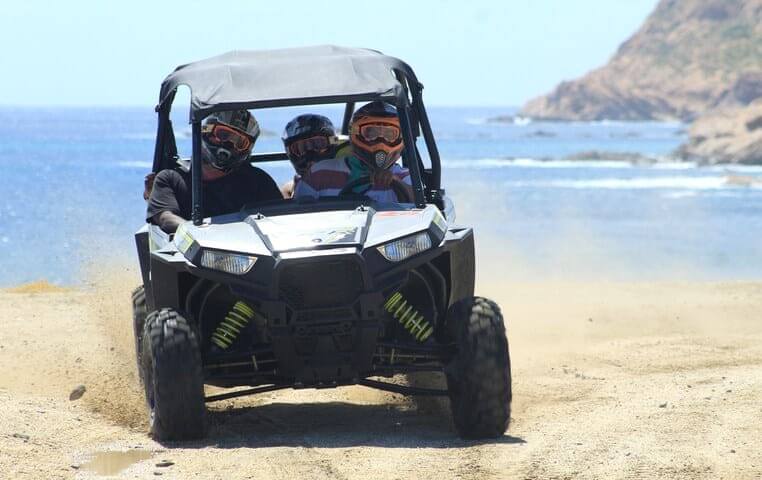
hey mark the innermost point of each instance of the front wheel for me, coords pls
(172, 376)
(479, 377)
(139, 314)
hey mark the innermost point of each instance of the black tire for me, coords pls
(139, 314)
(172, 376)
(479, 378)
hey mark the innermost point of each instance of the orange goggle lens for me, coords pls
(374, 132)
(223, 135)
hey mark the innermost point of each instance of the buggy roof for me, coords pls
(262, 78)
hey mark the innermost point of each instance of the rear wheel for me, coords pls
(139, 314)
(172, 376)
(479, 377)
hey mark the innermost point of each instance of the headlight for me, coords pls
(227, 262)
(183, 240)
(403, 248)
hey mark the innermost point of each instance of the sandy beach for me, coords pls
(611, 380)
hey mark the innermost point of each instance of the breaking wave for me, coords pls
(139, 136)
(638, 183)
(538, 163)
(530, 163)
(136, 164)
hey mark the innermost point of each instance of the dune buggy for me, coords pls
(304, 293)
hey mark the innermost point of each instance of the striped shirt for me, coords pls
(326, 179)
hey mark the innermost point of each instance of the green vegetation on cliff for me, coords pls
(688, 57)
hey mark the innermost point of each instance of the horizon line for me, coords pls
(152, 107)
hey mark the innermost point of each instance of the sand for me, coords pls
(611, 380)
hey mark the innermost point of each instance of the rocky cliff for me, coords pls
(689, 56)
(726, 135)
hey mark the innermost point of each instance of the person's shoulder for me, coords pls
(168, 173)
(337, 164)
(331, 173)
(344, 149)
(251, 172)
(170, 177)
(249, 169)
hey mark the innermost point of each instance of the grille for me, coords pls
(321, 285)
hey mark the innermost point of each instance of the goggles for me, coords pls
(378, 132)
(317, 144)
(224, 136)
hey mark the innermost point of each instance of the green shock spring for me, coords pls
(408, 317)
(230, 327)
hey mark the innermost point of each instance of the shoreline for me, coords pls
(721, 136)
(627, 158)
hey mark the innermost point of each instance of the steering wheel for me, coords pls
(398, 187)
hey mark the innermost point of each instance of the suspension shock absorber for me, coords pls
(230, 327)
(408, 317)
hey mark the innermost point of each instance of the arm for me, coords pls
(382, 179)
(304, 189)
(163, 207)
(408, 192)
(167, 221)
(287, 189)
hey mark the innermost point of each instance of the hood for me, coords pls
(357, 229)
(309, 230)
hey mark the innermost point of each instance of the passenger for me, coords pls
(307, 139)
(229, 181)
(376, 145)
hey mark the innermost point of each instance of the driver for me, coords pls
(229, 181)
(376, 145)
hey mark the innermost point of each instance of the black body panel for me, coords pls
(324, 314)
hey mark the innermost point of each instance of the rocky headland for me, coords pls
(730, 135)
(695, 61)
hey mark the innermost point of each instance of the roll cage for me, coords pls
(405, 93)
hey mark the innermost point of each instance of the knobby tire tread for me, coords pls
(480, 378)
(176, 377)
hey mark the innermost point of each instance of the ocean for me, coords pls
(71, 195)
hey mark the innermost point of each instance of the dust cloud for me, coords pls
(114, 390)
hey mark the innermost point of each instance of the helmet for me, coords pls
(228, 138)
(309, 138)
(376, 136)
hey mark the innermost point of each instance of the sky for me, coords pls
(474, 52)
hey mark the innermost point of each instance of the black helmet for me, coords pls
(309, 138)
(228, 138)
(376, 135)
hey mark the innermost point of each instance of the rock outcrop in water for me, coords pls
(610, 156)
(731, 135)
(689, 56)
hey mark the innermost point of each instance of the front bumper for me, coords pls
(324, 313)
(324, 318)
